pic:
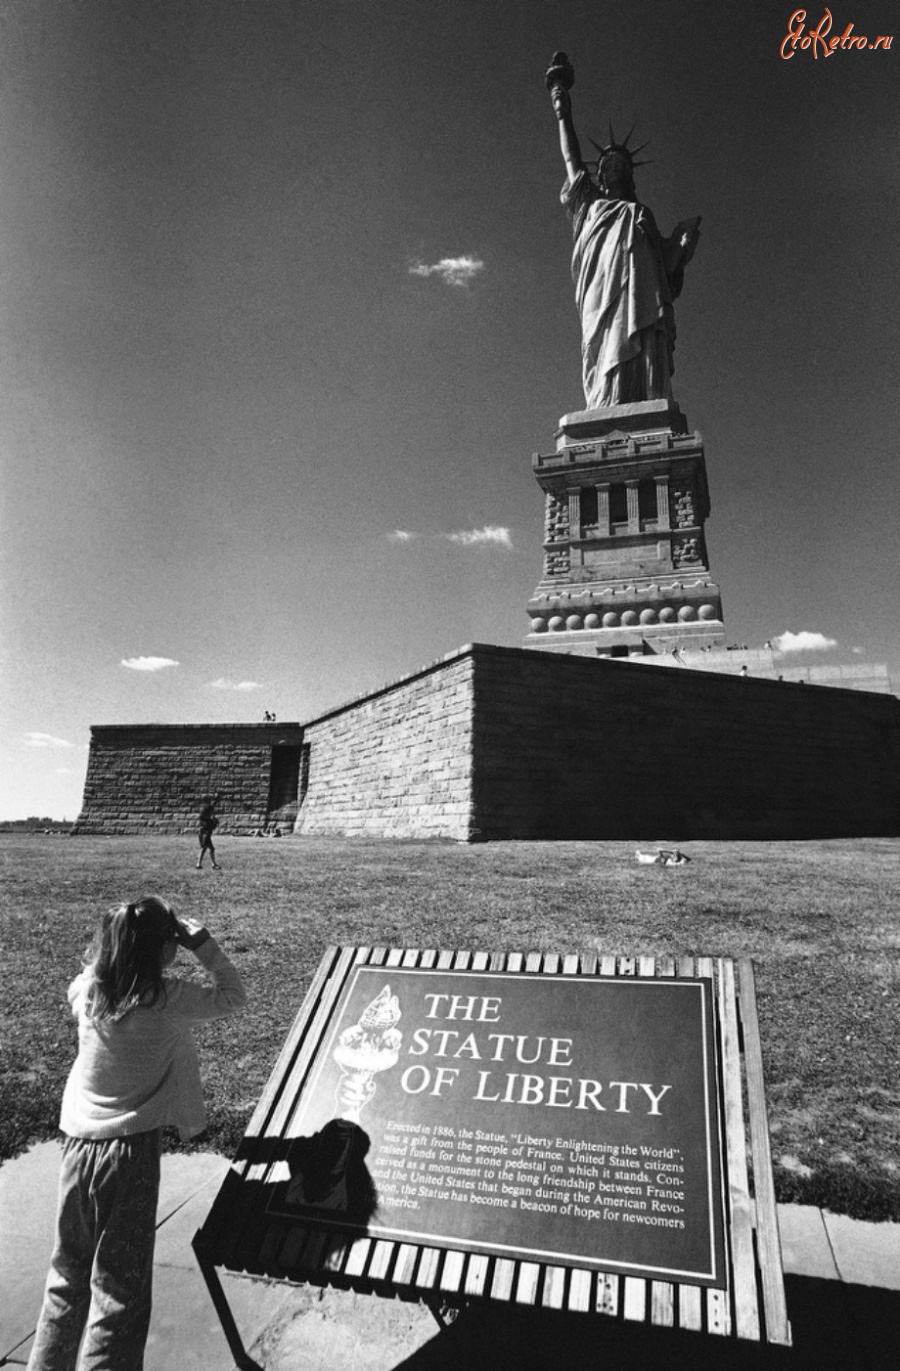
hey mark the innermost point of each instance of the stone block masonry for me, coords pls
(397, 763)
(150, 778)
(505, 743)
(496, 743)
(569, 747)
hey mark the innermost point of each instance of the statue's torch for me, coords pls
(559, 79)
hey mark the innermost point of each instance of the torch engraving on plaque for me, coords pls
(369, 1046)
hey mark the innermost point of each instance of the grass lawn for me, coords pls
(820, 919)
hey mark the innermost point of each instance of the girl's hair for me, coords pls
(126, 957)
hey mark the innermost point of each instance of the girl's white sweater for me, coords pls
(141, 1071)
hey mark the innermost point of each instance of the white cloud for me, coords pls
(148, 663)
(453, 271)
(803, 642)
(221, 683)
(463, 537)
(62, 771)
(491, 533)
(46, 740)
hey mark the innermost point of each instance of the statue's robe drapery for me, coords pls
(626, 277)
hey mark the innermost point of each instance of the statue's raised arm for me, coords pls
(626, 274)
(559, 80)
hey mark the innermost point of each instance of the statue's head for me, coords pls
(615, 167)
(615, 172)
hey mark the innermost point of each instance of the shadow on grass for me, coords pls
(846, 1327)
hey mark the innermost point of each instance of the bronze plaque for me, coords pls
(562, 1119)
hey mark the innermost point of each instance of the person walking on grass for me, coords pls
(136, 1071)
(207, 825)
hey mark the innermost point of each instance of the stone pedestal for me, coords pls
(625, 564)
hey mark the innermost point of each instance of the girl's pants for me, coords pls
(101, 1271)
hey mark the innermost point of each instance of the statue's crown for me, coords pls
(622, 148)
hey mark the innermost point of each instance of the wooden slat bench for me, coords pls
(242, 1235)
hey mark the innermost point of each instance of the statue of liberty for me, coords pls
(626, 274)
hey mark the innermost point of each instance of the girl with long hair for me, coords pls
(136, 1071)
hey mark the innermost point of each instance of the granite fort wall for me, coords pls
(150, 778)
(567, 747)
(397, 763)
(495, 743)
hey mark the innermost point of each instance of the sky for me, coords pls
(285, 310)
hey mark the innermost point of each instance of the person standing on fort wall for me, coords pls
(626, 274)
(207, 825)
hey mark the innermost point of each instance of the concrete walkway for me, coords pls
(842, 1279)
